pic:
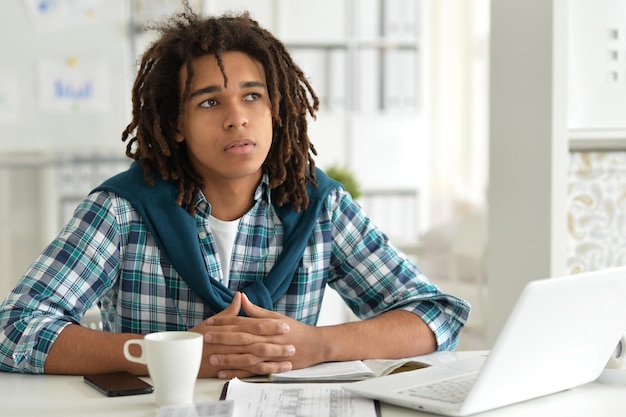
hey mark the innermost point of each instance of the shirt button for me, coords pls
(202, 235)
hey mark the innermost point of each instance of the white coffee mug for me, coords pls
(173, 360)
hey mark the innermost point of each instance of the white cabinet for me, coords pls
(597, 70)
(597, 135)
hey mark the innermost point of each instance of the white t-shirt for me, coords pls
(224, 234)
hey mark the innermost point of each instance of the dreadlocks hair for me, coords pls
(158, 105)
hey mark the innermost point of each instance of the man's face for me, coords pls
(227, 130)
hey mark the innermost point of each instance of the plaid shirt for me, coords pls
(106, 256)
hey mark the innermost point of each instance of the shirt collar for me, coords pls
(261, 193)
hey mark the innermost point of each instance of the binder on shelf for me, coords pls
(393, 81)
(338, 80)
(400, 19)
(260, 10)
(410, 27)
(313, 62)
(313, 22)
(399, 88)
(368, 91)
(368, 19)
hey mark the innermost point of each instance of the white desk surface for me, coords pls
(68, 396)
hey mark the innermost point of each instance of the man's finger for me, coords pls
(252, 310)
(231, 311)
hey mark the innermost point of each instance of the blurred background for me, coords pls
(485, 138)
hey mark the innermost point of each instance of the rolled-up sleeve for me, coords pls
(56, 290)
(374, 277)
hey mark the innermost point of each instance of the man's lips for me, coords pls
(239, 147)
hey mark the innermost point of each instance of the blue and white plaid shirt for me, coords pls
(106, 256)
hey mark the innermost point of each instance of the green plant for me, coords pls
(346, 178)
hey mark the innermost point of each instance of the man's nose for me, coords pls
(235, 118)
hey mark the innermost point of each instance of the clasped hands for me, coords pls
(261, 343)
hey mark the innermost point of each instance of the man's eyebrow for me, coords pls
(205, 90)
(248, 84)
(215, 88)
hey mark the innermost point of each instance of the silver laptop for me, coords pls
(559, 335)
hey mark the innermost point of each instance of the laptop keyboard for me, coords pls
(451, 390)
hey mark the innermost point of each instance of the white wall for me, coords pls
(75, 36)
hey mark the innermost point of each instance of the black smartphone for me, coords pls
(116, 384)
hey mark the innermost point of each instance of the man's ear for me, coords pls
(178, 134)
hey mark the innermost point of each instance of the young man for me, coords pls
(222, 226)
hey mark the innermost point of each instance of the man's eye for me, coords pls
(252, 97)
(209, 103)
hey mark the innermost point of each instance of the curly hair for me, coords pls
(158, 107)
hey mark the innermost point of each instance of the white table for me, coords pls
(69, 396)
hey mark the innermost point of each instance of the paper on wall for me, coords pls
(73, 85)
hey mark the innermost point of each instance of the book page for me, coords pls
(328, 371)
(359, 370)
(382, 367)
(297, 400)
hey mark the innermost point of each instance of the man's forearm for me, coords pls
(79, 351)
(395, 334)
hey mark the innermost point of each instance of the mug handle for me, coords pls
(139, 359)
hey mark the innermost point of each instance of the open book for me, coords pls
(358, 370)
